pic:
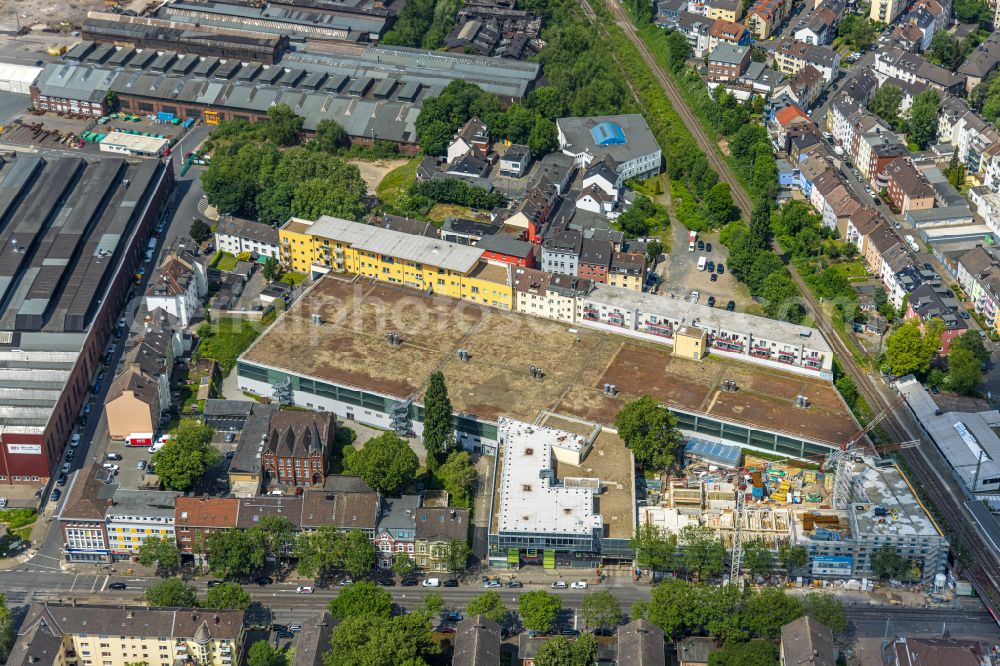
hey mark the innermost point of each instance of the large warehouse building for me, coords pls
(72, 234)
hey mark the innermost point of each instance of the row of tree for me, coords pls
(174, 592)
(919, 124)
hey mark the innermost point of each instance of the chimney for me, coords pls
(217, 618)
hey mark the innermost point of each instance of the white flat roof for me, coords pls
(960, 436)
(420, 249)
(136, 142)
(529, 501)
(703, 317)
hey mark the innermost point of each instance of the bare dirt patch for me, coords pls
(374, 172)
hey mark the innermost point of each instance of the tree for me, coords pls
(757, 558)
(403, 564)
(386, 463)
(432, 604)
(236, 553)
(361, 599)
(321, 196)
(718, 203)
(701, 551)
(972, 341)
(439, 422)
(639, 610)
(171, 592)
(963, 371)
(955, 173)
(792, 557)
(601, 610)
(271, 269)
(457, 555)
(182, 461)
(489, 605)
(401, 640)
(560, 651)
(974, 11)
(749, 653)
(848, 391)
(905, 351)
(199, 231)
(319, 551)
(279, 535)
(227, 596)
(655, 548)
(160, 552)
(765, 612)
(653, 250)
(760, 226)
(827, 610)
(887, 563)
(543, 138)
(922, 124)
(856, 31)
(945, 49)
(538, 610)
(262, 653)
(330, 135)
(672, 607)
(886, 103)
(458, 475)
(358, 553)
(283, 126)
(7, 633)
(650, 431)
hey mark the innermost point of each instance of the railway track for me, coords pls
(983, 566)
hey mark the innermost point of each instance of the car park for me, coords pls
(558, 585)
(714, 277)
(708, 247)
(579, 585)
(117, 586)
(304, 589)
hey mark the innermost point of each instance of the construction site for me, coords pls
(838, 511)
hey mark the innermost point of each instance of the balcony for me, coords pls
(663, 331)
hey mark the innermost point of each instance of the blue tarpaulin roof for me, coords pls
(722, 454)
(608, 134)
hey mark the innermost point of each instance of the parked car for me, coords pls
(454, 616)
(214, 583)
(409, 582)
(714, 277)
(65, 468)
(230, 436)
(569, 631)
(492, 583)
(516, 584)
(264, 580)
(731, 305)
(70, 454)
(694, 296)
(708, 247)
(710, 267)
(230, 455)
(558, 585)
(113, 456)
(285, 634)
(56, 494)
(432, 582)
(87, 409)
(113, 348)
(579, 585)
(113, 467)
(294, 628)
(61, 481)
(720, 268)
(3, 502)
(928, 267)
(141, 465)
(74, 441)
(344, 582)
(451, 582)
(304, 589)
(117, 586)
(711, 301)
(701, 245)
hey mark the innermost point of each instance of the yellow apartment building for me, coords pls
(72, 635)
(429, 264)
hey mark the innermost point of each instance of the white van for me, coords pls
(432, 582)
(701, 263)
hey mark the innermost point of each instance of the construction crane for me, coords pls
(735, 575)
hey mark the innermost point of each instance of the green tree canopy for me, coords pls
(701, 551)
(161, 552)
(228, 596)
(182, 461)
(489, 605)
(923, 121)
(283, 126)
(327, 548)
(386, 463)
(792, 557)
(377, 640)
(655, 548)
(539, 609)
(320, 196)
(766, 611)
(650, 431)
(887, 563)
(236, 553)
(172, 592)
(972, 341)
(358, 553)
(905, 351)
(7, 633)
(964, 374)
(457, 555)
(560, 651)
(601, 610)
(750, 653)
(199, 231)
(757, 558)
(439, 422)
(886, 103)
(330, 135)
(827, 610)
(271, 270)
(458, 475)
(403, 564)
(718, 204)
(361, 599)
(262, 653)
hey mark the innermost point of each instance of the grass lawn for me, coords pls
(439, 212)
(293, 279)
(397, 182)
(225, 339)
(852, 270)
(224, 261)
